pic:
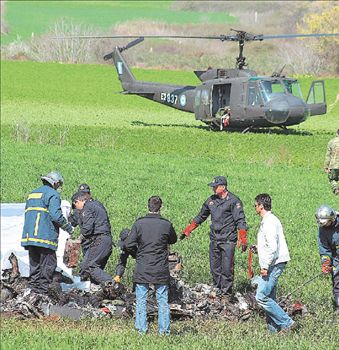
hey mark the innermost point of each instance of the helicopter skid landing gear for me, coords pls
(284, 128)
(245, 131)
(214, 126)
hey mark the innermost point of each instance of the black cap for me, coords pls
(218, 180)
(84, 188)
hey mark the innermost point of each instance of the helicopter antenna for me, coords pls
(278, 74)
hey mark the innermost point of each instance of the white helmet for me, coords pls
(54, 178)
(325, 215)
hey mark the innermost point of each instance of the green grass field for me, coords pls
(27, 17)
(68, 117)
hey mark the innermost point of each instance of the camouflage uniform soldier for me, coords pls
(332, 163)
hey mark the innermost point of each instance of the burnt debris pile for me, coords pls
(114, 300)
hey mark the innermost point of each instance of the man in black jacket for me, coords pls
(150, 236)
(95, 234)
(123, 257)
(74, 217)
(227, 217)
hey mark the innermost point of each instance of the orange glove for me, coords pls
(242, 240)
(326, 265)
(188, 230)
(117, 279)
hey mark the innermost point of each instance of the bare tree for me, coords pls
(302, 58)
(48, 48)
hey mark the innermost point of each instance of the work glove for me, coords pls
(188, 230)
(68, 228)
(326, 265)
(117, 279)
(242, 240)
(254, 249)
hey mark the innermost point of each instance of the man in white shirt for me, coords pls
(273, 257)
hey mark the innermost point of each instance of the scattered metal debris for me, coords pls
(114, 300)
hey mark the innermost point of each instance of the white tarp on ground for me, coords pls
(12, 222)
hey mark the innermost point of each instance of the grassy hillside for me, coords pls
(67, 117)
(27, 17)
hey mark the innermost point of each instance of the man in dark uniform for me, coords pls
(227, 218)
(328, 243)
(150, 237)
(95, 234)
(43, 218)
(124, 255)
(74, 215)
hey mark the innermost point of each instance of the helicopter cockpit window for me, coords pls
(293, 87)
(271, 88)
(253, 96)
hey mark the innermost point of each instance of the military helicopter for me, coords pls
(229, 98)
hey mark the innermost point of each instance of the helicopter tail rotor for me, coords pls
(123, 48)
(132, 43)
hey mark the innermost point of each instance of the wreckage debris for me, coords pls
(114, 300)
(72, 252)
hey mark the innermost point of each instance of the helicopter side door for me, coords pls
(202, 102)
(221, 94)
(316, 99)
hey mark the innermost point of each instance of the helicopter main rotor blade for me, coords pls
(281, 36)
(240, 36)
(136, 36)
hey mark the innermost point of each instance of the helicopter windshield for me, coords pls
(271, 88)
(253, 95)
(293, 88)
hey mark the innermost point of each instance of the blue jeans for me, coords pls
(141, 292)
(276, 317)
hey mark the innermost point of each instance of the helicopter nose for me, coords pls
(285, 107)
(298, 108)
(277, 110)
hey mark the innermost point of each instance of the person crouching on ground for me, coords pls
(150, 236)
(273, 257)
(95, 234)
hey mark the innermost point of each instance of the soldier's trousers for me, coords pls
(95, 259)
(42, 264)
(222, 265)
(333, 177)
(335, 282)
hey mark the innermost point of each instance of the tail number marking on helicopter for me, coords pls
(169, 98)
